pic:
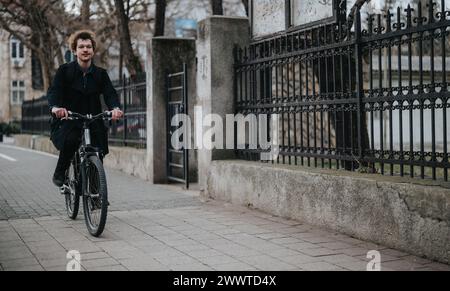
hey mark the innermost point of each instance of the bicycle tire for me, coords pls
(95, 181)
(73, 198)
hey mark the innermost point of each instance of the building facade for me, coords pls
(16, 78)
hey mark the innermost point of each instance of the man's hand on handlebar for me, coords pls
(61, 113)
(116, 114)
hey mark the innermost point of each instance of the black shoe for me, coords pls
(58, 179)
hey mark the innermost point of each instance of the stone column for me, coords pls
(217, 37)
(165, 55)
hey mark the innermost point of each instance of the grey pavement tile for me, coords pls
(285, 241)
(203, 253)
(401, 265)
(299, 259)
(94, 256)
(192, 248)
(355, 251)
(320, 252)
(335, 245)
(239, 252)
(116, 268)
(14, 255)
(217, 260)
(99, 263)
(58, 269)
(267, 263)
(393, 253)
(272, 235)
(333, 259)
(354, 266)
(350, 240)
(30, 261)
(319, 239)
(417, 260)
(226, 231)
(58, 262)
(217, 242)
(191, 267)
(302, 246)
(143, 263)
(438, 266)
(320, 266)
(37, 237)
(371, 246)
(11, 244)
(234, 267)
(81, 246)
(263, 246)
(250, 229)
(180, 260)
(206, 237)
(282, 253)
(33, 268)
(124, 254)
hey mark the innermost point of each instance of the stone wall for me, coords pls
(128, 160)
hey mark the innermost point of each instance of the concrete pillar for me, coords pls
(217, 37)
(165, 55)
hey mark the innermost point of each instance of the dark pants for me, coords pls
(71, 145)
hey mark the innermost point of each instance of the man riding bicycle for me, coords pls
(77, 87)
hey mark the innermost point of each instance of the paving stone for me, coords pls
(116, 268)
(319, 252)
(26, 268)
(320, 266)
(99, 263)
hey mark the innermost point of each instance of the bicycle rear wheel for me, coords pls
(73, 191)
(95, 198)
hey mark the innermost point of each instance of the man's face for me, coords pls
(85, 50)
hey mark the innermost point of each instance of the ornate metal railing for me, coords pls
(372, 96)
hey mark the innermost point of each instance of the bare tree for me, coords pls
(85, 12)
(131, 60)
(356, 7)
(217, 7)
(246, 6)
(160, 17)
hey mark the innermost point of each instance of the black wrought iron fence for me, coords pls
(372, 96)
(36, 116)
(132, 130)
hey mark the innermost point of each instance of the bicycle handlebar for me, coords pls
(89, 117)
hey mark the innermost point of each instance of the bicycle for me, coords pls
(86, 178)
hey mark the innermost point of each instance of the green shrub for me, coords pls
(10, 128)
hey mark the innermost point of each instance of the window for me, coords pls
(17, 50)
(17, 92)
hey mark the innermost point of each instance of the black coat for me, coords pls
(81, 94)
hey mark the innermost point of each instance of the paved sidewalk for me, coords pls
(165, 229)
(211, 236)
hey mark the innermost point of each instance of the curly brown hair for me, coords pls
(84, 35)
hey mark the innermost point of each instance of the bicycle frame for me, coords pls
(86, 149)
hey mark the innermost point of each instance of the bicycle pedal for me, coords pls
(65, 190)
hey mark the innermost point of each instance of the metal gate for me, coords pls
(177, 103)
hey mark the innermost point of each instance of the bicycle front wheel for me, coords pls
(73, 191)
(95, 198)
